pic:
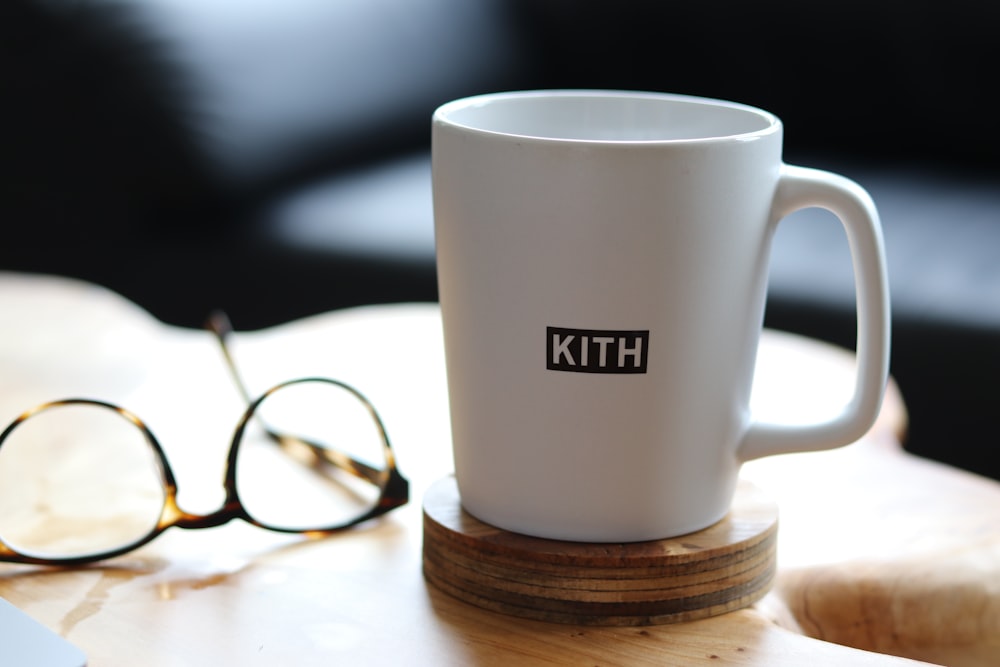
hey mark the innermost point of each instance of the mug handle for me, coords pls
(799, 187)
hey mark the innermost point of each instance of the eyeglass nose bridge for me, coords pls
(173, 516)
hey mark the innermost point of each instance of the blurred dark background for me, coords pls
(271, 158)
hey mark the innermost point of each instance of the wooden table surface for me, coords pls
(880, 554)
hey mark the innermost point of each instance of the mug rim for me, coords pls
(445, 115)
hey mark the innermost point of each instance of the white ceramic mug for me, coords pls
(602, 268)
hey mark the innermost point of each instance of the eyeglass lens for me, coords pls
(77, 479)
(298, 486)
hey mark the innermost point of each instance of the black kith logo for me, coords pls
(596, 350)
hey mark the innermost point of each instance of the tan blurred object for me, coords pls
(880, 554)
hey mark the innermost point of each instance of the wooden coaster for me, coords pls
(725, 567)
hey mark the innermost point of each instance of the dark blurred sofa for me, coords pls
(271, 158)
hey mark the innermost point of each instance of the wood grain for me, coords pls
(725, 567)
(879, 554)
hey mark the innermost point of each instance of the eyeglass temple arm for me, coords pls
(320, 457)
(219, 324)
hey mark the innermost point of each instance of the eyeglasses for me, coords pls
(84, 480)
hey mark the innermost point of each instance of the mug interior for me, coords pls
(606, 116)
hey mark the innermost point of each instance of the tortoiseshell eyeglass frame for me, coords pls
(393, 487)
